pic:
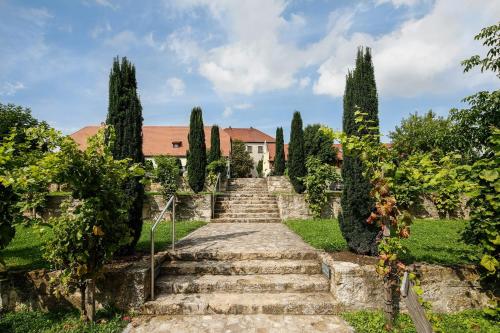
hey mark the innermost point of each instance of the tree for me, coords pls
(316, 144)
(125, 115)
(241, 161)
(279, 160)
(214, 153)
(197, 158)
(296, 157)
(422, 134)
(93, 223)
(14, 116)
(259, 168)
(485, 172)
(357, 204)
(167, 174)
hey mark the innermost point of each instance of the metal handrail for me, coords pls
(170, 202)
(215, 190)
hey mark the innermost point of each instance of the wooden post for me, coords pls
(388, 283)
(90, 300)
(415, 309)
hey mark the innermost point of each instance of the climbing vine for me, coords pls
(317, 181)
(394, 224)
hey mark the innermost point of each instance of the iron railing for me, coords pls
(214, 193)
(171, 202)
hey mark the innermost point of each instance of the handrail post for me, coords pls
(152, 235)
(173, 224)
(152, 264)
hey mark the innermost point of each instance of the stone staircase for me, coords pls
(246, 200)
(236, 269)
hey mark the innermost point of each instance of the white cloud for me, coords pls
(39, 16)
(107, 3)
(421, 56)
(176, 86)
(398, 3)
(123, 40)
(99, 29)
(243, 106)
(227, 111)
(9, 88)
(304, 82)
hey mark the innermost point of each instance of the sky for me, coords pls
(245, 62)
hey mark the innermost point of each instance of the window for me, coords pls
(260, 149)
(249, 149)
(177, 144)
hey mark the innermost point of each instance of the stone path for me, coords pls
(239, 323)
(241, 277)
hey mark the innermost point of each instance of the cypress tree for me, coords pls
(197, 158)
(214, 154)
(279, 160)
(360, 91)
(296, 157)
(125, 115)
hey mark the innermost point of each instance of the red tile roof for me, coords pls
(158, 140)
(248, 135)
(272, 151)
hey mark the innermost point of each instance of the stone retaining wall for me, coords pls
(359, 287)
(125, 285)
(189, 207)
(294, 206)
(279, 184)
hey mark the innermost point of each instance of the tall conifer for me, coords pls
(197, 158)
(125, 115)
(296, 157)
(214, 153)
(279, 160)
(360, 91)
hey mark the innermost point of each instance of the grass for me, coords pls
(25, 252)
(431, 241)
(163, 234)
(321, 234)
(461, 322)
(68, 321)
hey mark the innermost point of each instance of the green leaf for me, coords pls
(489, 262)
(489, 175)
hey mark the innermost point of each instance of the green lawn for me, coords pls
(26, 249)
(67, 321)
(461, 322)
(431, 241)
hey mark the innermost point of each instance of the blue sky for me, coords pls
(246, 62)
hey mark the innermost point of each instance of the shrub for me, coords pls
(93, 223)
(167, 174)
(259, 168)
(213, 169)
(317, 181)
(241, 161)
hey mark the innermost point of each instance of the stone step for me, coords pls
(258, 283)
(291, 254)
(246, 220)
(246, 210)
(246, 303)
(255, 199)
(241, 267)
(239, 215)
(246, 195)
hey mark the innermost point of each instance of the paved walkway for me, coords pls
(218, 309)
